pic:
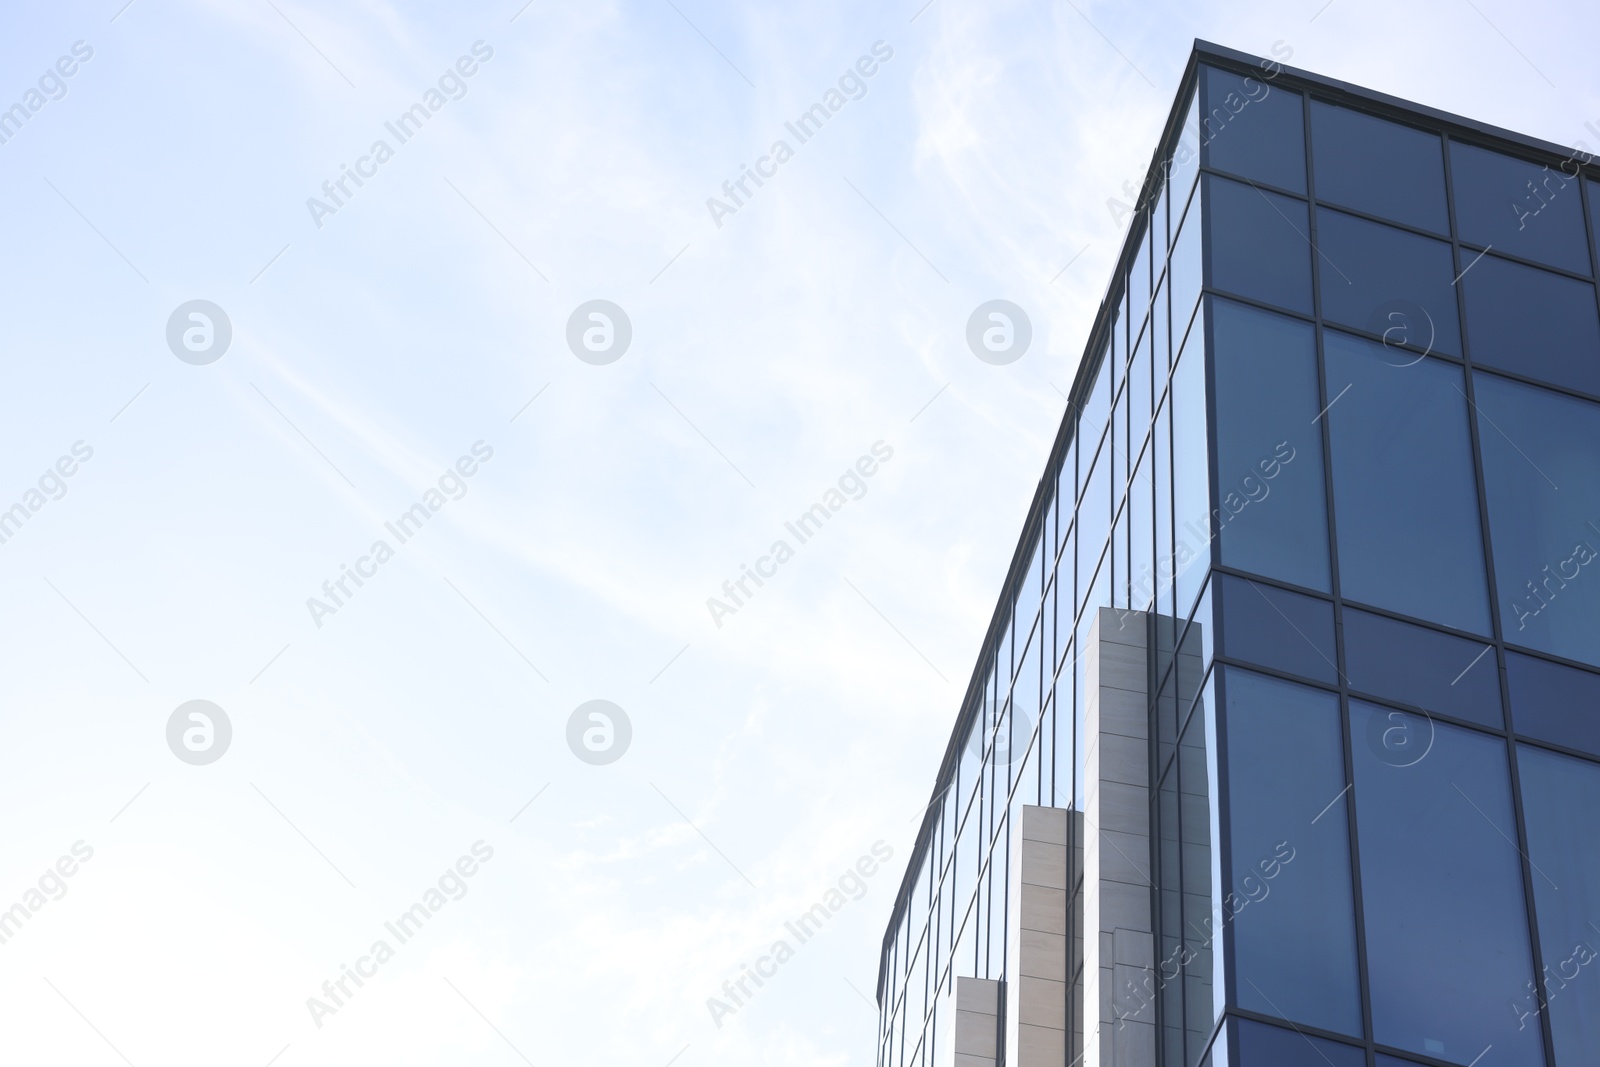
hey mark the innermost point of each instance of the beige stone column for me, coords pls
(1039, 937)
(1119, 945)
(974, 1034)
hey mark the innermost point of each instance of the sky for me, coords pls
(400, 346)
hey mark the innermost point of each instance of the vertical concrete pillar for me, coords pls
(1039, 936)
(974, 1038)
(1119, 945)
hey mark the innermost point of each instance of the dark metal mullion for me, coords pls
(1325, 422)
(1515, 781)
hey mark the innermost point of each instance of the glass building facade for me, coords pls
(1334, 447)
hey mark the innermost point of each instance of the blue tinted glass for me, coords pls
(1433, 802)
(1142, 535)
(1160, 360)
(1541, 471)
(1139, 286)
(1191, 484)
(1184, 273)
(1424, 668)
(1139, 383)
(1388, 282)
(1290, 632)
(1533, 322)
(1559, 796)
(1254, 130)
(1405, 497)
(1067, 493)
(1094, 515)
(1554, 703)
(1260, 244)
(1293, 912)
(1260, 1045)
(1162, 469)
(1378, 167)
(1594, 213)
(1521, 208)
(1097, 403)
(1273, 510)
(1161, 234)
(1203, 982)
(1185, 163)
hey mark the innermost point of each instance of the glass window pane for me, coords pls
(1141, 535)
(1184, 166)
(1293, 913)
(1405, 496)
(1202, 882)
(1191, 481)
(1287, 631)
(1518, 207)
(1533, 322)
(1559, 796)
(1139, 285)
(1269, 446)
(1184, 274)
(1170, 945)
(1164, 562)
(1094, 515)
(1160, 235)
(1139, 385)
(1435, 817)
(1425, 668)
(1025, 700)
(1259, 1045)
(1260, 245)
(1254, 130)
(1541, 471)
(1388, 282)
(1032, 590)
(1594, 213)
(1554, 703)
(1379, 167)
(1097, 404)
(1067, 492)
(1160, 361)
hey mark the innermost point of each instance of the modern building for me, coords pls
(1284, 744)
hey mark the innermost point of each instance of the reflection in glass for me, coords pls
(1388, 282)
(1533, 322)
(1253, 129)
(1260, 1045)
(1405, 495)
(1378, 167)
(1290, 632)
(1414, 665)
(1191, 479)
(1555, 703)
(1273, 509)
(1433, 803)
(1265, 248)
(1541, 472)
(1290, 911)
(1566, 884)
(1518, 207)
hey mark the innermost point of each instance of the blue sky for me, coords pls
(769, 353)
